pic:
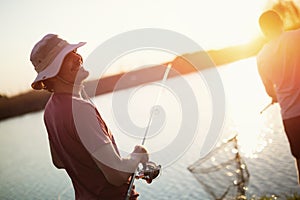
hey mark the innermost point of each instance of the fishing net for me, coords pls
(222, 173)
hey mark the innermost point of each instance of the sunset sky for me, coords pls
(212, 24)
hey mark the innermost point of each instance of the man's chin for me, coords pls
(82, 76)
(85, 75)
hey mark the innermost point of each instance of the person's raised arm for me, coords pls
(117, 170)
(93, 135)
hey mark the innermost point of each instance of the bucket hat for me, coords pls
(47, 57)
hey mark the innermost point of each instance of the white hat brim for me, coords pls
(53, 69)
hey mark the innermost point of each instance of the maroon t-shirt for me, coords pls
(75, 130)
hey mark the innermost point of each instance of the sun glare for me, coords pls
(232, 22)
(245, 98)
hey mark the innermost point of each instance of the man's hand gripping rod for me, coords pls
(150, 165)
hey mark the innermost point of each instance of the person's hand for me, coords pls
(141, 153)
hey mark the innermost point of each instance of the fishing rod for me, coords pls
(150, 170)
(266, 107)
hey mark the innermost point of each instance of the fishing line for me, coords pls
(166, 73)
(156, 102)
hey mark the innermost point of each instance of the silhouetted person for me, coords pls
(79, 139)
(279, 67)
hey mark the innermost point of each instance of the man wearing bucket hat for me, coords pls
(279, 67)
(79, 139)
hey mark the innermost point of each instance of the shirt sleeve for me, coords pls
(89, 126)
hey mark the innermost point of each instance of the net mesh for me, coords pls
(222, 173)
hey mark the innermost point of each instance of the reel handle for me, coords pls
(148, 172)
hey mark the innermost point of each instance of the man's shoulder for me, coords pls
(261, 54)
(79, 102)
(67, 102)
(83, 107)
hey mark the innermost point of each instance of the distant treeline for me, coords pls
(33, 101)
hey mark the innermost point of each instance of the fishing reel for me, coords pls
(148, 171)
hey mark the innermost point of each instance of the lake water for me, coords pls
(27, 173)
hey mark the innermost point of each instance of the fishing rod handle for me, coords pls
(130, 186)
